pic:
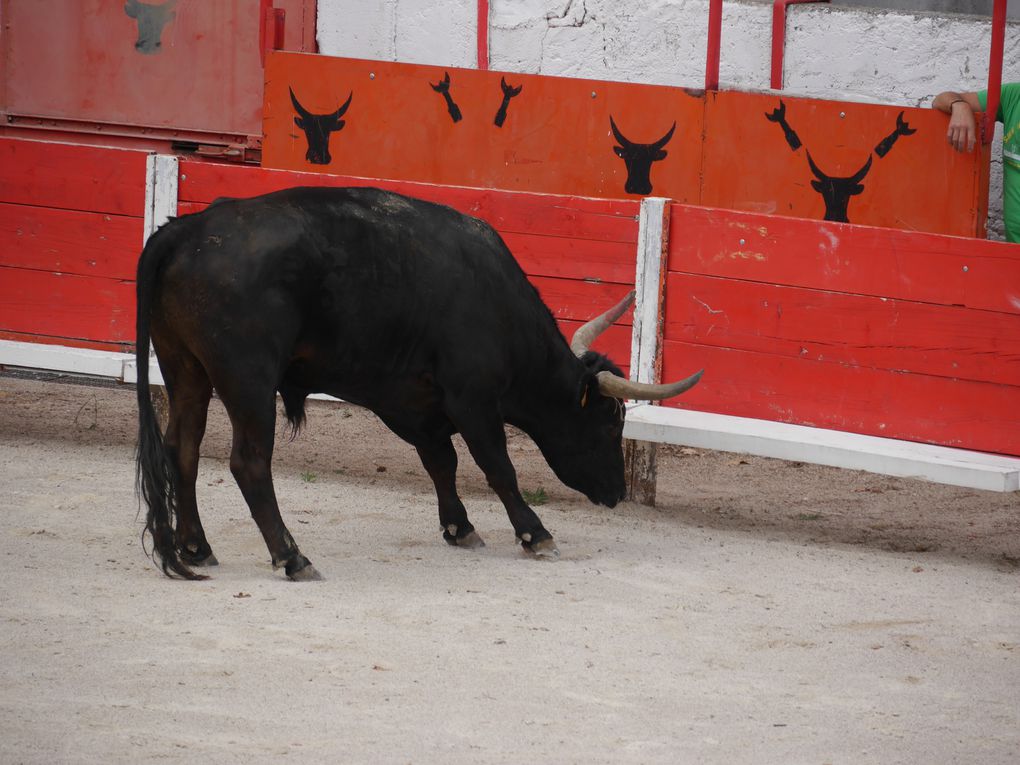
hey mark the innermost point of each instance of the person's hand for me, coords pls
(962, 133)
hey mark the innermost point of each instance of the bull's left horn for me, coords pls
(586, 334)
(611, 385)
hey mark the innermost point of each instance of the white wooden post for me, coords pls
(646, 337)
(161, 173)
(161, 180)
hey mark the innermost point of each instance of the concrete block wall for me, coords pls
(845, 53)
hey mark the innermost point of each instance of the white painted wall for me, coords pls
(853, 54)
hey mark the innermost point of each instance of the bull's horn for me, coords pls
(611, 385)
(586, 334)
(297, 106)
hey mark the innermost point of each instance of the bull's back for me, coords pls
(343, 273)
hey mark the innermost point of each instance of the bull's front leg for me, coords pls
(483, 432)
(440, 460)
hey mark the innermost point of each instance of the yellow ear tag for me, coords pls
(584, 398)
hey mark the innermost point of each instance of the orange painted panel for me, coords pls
(873, 165)
(556, 136)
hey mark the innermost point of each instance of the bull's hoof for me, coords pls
(464, 537)
(194, 555)
(545, 549)
(300, 569)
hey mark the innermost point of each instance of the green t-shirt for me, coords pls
(1009, 116)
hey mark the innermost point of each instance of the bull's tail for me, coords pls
(156, 475)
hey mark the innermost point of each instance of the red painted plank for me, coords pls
(580, 301)
(564, 258)
(575, 217)
(25, 337)
(69, 241)
(72, 176)
(841, 257)
(938, 410)
(66, 306)
(846, 329)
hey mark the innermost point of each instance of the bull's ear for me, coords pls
(339, 124)
(619, 151)
(589, 389)
(817, 186)
(660, 154)
(299, 122)
(856, 189)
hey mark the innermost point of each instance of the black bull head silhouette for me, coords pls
(638, 157)
(317, 129)
(151, 20)
(836, 191)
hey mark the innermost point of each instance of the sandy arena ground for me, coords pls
(764, 612)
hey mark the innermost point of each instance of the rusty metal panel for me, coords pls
(161, 68)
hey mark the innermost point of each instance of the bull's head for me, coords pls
(639, 158)
(151, 20)
(317, 129)
(582, 439)
(836, 192)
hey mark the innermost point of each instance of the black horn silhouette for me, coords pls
(638, 157)
(318, 127)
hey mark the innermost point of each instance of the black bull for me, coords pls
(408, 308)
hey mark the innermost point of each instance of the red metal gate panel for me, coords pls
(167, 69)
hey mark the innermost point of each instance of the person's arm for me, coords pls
(962, 131)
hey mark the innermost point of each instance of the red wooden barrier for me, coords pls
(71, 222)
(867, 330)
(579, 253)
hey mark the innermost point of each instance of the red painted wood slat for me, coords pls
(66, 306)
(851, 330)
(69, 241)
(72, 176)
(841, 257)
(520, 212)
(938, 410)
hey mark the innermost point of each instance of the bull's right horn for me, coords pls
(587, 333)
(618, 387)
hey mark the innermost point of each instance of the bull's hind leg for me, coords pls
(252, 411)
(189, 390)
(440, 460)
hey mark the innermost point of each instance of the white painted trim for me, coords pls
(888, 456)
(61, 358)
(81, 361)
(161, 179)
(653, 232)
